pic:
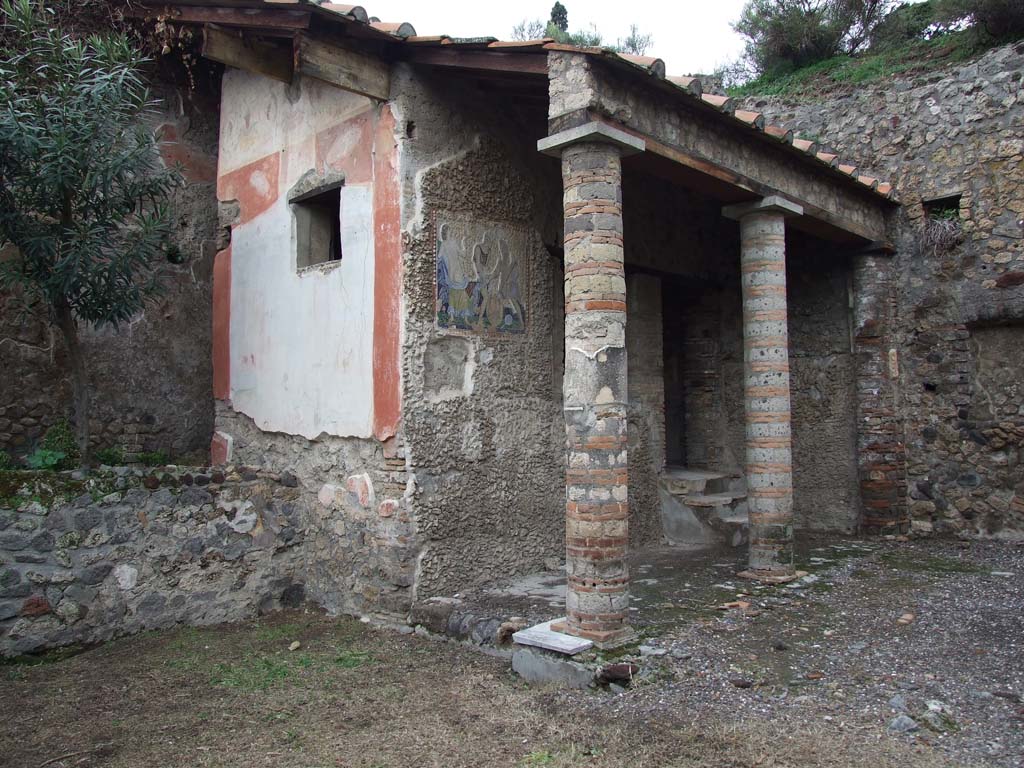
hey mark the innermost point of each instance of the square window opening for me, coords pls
(318, 227)
(943, 208)
(943, 229)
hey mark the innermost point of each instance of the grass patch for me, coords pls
(254, 674)
(351, 659)
(277, 632)
(917, 563)
(39, 659)
(845, 71)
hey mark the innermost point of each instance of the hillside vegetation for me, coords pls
(843, 72)
(810, 47)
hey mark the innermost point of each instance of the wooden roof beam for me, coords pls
(242, 52)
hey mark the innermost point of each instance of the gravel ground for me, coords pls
(789, 677)
(924, 636)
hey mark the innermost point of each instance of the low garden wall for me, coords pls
(83, 560)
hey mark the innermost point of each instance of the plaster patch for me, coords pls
(448, 368)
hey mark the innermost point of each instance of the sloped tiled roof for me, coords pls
(690, 87)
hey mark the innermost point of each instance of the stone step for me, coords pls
(684, 481)
(706, 517)
(724, 499)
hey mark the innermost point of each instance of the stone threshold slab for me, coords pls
(543, 636)
(768, 579)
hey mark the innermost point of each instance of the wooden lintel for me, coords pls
(344, 68)
(482, 61)
(256, 18)
(235, 50)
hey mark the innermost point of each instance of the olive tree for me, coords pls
(83, 191)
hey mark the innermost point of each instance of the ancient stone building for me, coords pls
(449, 257)
(493, 304)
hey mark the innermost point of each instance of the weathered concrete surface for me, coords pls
(955, 132)
(548, 668)
(123, 552)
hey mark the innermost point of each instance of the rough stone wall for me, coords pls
(645, 411)
(481, 411)
(360, 548)
(86, 561)
(822, 369)
(151, 377)
(954, 132)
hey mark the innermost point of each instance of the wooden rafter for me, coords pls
(344, 68)
(243, 52)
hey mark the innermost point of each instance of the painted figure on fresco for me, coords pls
(478, 287)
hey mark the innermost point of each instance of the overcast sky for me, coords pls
(690, 35)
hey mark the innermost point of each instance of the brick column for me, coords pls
(594, 385)
(769, 461)
(881, 454)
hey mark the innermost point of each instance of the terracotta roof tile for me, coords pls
(575, 49)
(691, 84)
(723, 103)
(539, 43)
(806, 145)
(755, 119)
(782, 134)
(650, 63)
(357, 12)
(402, 29)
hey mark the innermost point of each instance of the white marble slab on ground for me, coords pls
(542, 636)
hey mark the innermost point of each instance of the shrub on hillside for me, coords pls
(999, 19)
(784, 35)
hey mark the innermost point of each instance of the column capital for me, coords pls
(592, 133)
(769, 204)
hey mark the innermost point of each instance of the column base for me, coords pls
(772, 577)
(615, 638)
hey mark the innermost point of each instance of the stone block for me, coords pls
(433, 614)
(546, 668)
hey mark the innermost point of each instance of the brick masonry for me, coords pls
(769, 455)
(595, 394)
(881, 454)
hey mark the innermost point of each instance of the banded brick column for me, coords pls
(594, 385)
(881, 452)
(769, 465)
